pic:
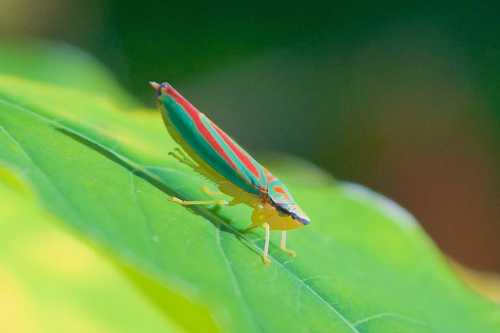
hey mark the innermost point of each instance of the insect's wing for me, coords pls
(211, 144)
(251, 171)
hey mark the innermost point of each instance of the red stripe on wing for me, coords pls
(241, 154)
(195, 116)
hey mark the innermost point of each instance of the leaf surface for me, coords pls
(363, 265)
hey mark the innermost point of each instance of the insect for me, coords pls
(237, 174)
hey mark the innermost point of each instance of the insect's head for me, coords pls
(293, 210)
(160, 88)
(281, 199)
(279, 216)
(166, 96)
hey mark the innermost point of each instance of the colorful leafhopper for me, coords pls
(213, 153)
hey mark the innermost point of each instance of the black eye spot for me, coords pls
(163, 85)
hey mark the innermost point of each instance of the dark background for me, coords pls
(402, 98)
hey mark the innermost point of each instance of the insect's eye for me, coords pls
(163, 87)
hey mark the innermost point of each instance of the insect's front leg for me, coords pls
(258, 219)
(265, 256)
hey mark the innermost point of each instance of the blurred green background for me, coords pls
(401, 98)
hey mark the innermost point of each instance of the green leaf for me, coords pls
(52, 281)
(363, 265)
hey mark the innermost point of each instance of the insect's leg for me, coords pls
(265, 256)
(209, 191)
(185, 158)
(182, 153)
(197, 202)
(251, 227)
(180, 156)
(283, 247)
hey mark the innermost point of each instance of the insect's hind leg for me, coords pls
(283, 247)
(197, 202)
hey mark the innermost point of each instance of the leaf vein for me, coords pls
(389, 315)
